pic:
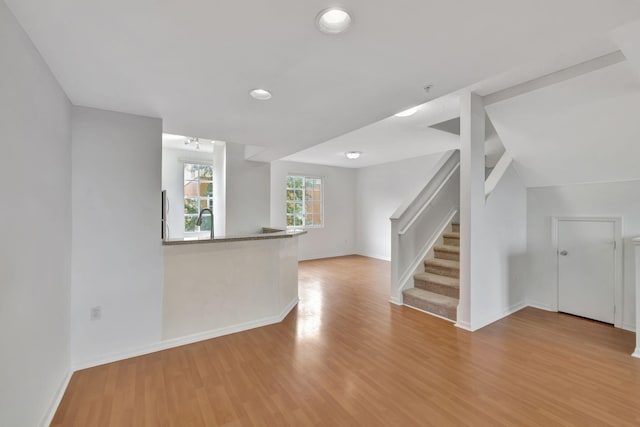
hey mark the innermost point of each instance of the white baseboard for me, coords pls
(494, 318)
(395, 301)
(189, 339)
(463, 325)
(540, 306)
(55, 402)
(629, 327)
(636, 353)
(375, 256)
(324, 256)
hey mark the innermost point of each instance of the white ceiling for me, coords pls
(390, 139)
(581, 130)
(192, 62)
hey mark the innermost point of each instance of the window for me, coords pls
(198, 194)
(304, 201)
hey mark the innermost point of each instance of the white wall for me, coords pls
(35, 230)
(616, 199)
(247, 193)
(117, 252)
(337, 236)
(380, 190)
(499, 285)
(173, 181)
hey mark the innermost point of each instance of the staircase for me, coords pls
(437, 290)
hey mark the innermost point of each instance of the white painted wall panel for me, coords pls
(117, 252)
(501, 265)
(35, 230)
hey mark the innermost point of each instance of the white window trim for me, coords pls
(322, 199)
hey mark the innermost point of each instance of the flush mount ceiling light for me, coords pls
(260, 94)
(333, 20)
(352, 155)
(407, 113)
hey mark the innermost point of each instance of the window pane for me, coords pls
(294, 195)
(206, 189)
(191, 189)
(297, 208)
(294, 181)
(298, 220)
(289, 220)
(205, 172)
(206, 222)
(308, 194)
(191, 206)
(190, 223)
(290, 207)
(190, 171)
(313, 208)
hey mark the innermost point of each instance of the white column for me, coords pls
(219, 188)
(636, 245)
(472, 134)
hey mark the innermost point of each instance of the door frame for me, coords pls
(618, 284)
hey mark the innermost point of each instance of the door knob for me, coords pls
(564, 253)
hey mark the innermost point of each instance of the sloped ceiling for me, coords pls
(581, 130)
(192, 62)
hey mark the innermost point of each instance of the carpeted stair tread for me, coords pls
(444, 267)
(451, 252)
(436, 278)
(447, 248)
(444, 263)
(451, 235)
(455, 228)
(433, 303)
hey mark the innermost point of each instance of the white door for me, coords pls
(586, 268)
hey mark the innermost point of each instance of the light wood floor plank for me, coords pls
(345, 356)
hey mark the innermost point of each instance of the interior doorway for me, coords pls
(589, 269)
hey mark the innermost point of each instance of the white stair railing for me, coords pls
(417, 224)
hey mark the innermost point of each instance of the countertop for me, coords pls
(268, 233)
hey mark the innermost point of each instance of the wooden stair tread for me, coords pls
(451, 235)
(447, 248)
(441, 300)
(437, 278)
(444, 263)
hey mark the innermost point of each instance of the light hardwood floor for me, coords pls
(347, 357)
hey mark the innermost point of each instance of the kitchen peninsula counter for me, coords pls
(267, 233)
(227, 284)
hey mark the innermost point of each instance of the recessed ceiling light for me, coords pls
(333, 20)
(260, 94)
(407, 113)
(352, 155)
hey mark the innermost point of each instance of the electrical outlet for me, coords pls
(96, 313)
